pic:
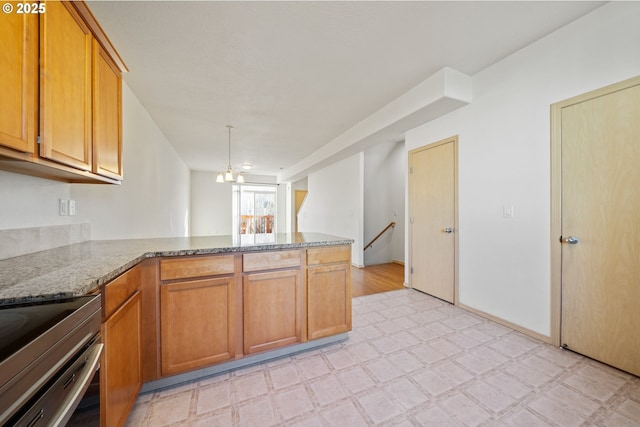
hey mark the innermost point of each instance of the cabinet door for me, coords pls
(19, 81)
(273, 305)
(107, 115)
(121, 369)
(65, 86)
(329, 300)
(197, 323)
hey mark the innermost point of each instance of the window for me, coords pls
(254, 213)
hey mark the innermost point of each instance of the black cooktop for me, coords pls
(22, 323)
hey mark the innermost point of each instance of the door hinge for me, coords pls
(38, 139)
(411, 169)
(411, 270)
(411, 220)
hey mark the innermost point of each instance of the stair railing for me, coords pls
(391, 225)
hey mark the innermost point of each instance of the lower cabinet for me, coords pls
(197, 324)
(121, 369)
(328, 291)
(273, 308)
(204, 310)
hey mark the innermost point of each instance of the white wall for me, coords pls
(334, 203)
(504, 157)
(210, 205)
(153, 200)
(384, 177)
(30, 202)
(211, 209)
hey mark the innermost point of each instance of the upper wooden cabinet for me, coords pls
(80, 92)
(65, 86)
(19, 82)
(107, 114)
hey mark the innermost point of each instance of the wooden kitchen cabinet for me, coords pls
(273, 301)
(78, 137)
(197, 312)
(19, 81)
(65, 86)
(121, 367)
(328, 291)
(107, 115)
(197, 323)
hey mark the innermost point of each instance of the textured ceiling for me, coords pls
(292, 76)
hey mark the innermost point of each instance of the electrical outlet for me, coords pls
(72, 207)
(63, 207)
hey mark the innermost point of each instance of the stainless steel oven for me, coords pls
(49, 353)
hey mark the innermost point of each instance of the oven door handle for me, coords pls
(84, 377)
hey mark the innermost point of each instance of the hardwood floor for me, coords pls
(376, 278)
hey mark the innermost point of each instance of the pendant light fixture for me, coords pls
(228, 175)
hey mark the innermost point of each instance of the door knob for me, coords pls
(572, 240)
(448, 230)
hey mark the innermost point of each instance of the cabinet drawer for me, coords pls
(119, 290)
(190, 267)
(270, 260)
(327, 255)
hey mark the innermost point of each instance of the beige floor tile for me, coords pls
(345, 414)
(572, 400)
(432, 383)
(213, 397)
(382, 370)
(526, 418)
(249, 386)
(340, 359)
(363, 352)
(169, 410)
(258, 412)
(356, 380)
(465, 410)
(378, 406)
(284, 376)
(527, 375)
(312, 368)
(293, 403)
(405, 361)
(404, 392)
(313, 420)
(489, 396)
(435, 416)
(410, 360)
(508, 385)
(452, 373)
(327, 390)
(220, 419)
(555, 411)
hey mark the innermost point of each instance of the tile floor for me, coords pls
(411, 360)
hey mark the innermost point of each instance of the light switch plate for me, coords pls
(507, 211)
(63, 207)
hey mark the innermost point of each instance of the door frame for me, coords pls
(556, 197)
(454, 140)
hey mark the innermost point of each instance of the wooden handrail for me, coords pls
(391, 225)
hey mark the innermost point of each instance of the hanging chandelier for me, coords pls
(228, 175)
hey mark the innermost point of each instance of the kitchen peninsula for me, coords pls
(175, 309)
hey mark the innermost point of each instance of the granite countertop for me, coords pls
(80, 268)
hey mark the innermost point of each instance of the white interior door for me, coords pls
(432, 215)
(600, 289)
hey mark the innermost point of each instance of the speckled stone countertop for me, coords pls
(80, 268)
